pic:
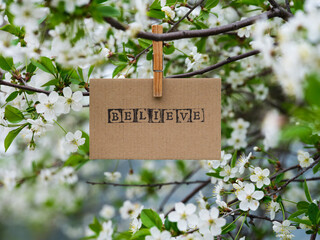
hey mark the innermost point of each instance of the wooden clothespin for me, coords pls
(157, 62)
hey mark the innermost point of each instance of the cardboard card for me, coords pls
(127, 122)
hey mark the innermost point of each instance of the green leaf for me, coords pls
(140, 234)
(150, 55)
(279, 178)
(150, 218)
(12, 135)
(303, 205)
(153, 13)
(12, 96)
(53, 82)
(11, 29)
(123, 236)
(316, 168)
(211, 4)
(6, 63)
(296, 131)
(118, 69)
(306, 191)
(234, 159)
(95, 226)
(108, 11)
(228, 228)
(144, 43)
(12, 114)
(313, 212)
(31, 68)
(201, 45)
(90, 70)
(169, 49)
(85, 147)
(312, 90)
(298, 220)
(74, 160)
(45, 64)
(214, 174)
(296, 214)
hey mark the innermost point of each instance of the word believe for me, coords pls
(148, 115)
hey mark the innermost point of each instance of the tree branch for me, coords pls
(201, 33)
(217, 65)
(285, 14)
(32, 89)
(159, 185)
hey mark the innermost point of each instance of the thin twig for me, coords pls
(288, 6)
(217, 65)
(174, 189)
(190, 195)
(295, 177)
(171, 29)
(29, 88)
(147, 185)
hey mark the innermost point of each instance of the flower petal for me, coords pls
(258, 195)
(77, 96)
(67, 92)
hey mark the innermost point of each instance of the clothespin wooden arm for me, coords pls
(157, 62)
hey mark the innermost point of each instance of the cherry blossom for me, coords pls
(260, 177)
(184, 215)
(209, 222)
(249, 198)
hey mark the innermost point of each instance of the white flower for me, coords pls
(304, 226)
(239, 186)
(71, 100)
(9, 179)
(130, 210)
(135, 225)
(228, 172)
(49, 106)
(261, 92)
(168, 11)
(243, 160)
(157, 235)
(223, 205)
(107, 230)
(273, 207)
(249, 198)
(73, 141)
(202, 201)
(46, 175)
(68, 175)
(194, 60)
(225, 157)
(260, 177)
(134, 29)
(107, 212)
(184, 215)
(210, 224)
(304, 159)
(271, 129)
(237, 140)
(38, 126)
(112, 176)
(27, 14)
(244, 32)
(283, 230)
(240, 125)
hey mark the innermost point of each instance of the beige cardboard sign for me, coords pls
(127, 122)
